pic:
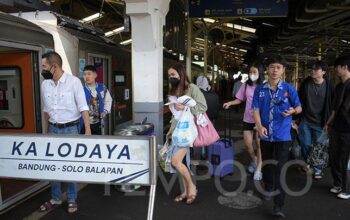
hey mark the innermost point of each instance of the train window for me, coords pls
(11, 115)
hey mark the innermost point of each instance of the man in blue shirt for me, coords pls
(274, 103)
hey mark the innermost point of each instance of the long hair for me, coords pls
(184, 83)
(260, 68)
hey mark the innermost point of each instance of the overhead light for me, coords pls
(209, 20)
(115, 31)
(243, 50)
(91, 18)
(246, 19)
(244, 28)
(247, 41)
(267, 24)
(200, 63)
(126, 42)
(181, 57)
(240, 27)
(229, 25)
(200, 39)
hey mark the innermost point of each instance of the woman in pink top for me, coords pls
(245, 94)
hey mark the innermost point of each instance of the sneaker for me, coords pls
(335, 189)
(317, 173)
(252, 167)
(257, 175)
(343, 195)
(277, 211)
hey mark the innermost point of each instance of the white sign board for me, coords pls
(93, 159)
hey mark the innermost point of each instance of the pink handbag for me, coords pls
(206, 135)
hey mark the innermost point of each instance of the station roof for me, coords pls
(312, 28)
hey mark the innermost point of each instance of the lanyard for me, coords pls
(273, 97)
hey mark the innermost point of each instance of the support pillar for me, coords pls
(189, 47)
(147, 20)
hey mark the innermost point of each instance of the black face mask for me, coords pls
(174, 82)
(46, 74)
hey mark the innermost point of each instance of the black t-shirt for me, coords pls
(341, 121)
(316, 98)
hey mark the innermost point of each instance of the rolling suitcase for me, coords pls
(220, 154)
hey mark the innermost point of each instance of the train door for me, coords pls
(102, 65)
(17, 112)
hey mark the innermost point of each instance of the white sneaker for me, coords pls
(257, 175)
(335, 189)
(343, 195)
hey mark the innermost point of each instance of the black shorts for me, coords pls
(248, 126)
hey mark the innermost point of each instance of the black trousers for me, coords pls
(279, 152)
(339, 151)
(95, 129)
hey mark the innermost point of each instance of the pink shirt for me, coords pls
(245, 94)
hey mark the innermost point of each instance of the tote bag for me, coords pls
(206, 135)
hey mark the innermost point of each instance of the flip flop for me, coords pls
(191, 198)
(72, 205)
(180, 198)
(48, 206)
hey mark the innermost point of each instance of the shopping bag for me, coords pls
(207, 134)
(163, 151)
(165, 156)
(319, 156)
(185, 132)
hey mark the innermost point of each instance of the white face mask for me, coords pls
(253, 77)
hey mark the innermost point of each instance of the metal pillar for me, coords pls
(189, 46)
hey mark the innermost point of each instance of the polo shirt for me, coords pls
(271, 104)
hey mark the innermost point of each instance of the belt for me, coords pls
(65, 125)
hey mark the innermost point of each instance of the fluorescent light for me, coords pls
(229, 25)
(247, 41)
(91, 18)
(209, 20)
(267, 24)
(200, 39)
(240, 27)
(246, 19)
(244, 28)
(200, 63)
(126, 42)
(115, 31)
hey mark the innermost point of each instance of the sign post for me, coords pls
(120, 160)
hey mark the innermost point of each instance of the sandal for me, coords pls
(191, 198)
(180, 198)
(72, 207)
(49, 205)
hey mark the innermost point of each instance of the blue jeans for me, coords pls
(308, 134)
(72, 192)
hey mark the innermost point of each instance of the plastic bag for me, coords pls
(163, 151)
(165, 156)
(185, 132)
